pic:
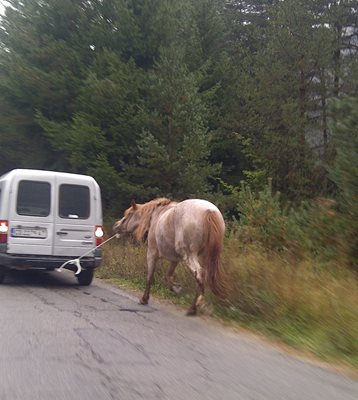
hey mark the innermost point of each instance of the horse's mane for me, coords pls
(146, 211)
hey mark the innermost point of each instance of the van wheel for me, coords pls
(2, 274)
(85, 277)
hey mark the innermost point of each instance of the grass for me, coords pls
(306, 304)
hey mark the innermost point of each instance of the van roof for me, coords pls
(33, 173)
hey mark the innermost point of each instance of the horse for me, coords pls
(191, 230)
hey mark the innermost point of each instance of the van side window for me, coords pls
(74, 202)
(34, 198)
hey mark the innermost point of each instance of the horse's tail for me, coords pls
(214, 227)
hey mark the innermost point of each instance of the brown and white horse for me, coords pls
(191, 230)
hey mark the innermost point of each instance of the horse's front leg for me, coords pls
(152, 258)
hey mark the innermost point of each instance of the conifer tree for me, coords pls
(344, 171)
(174, 149)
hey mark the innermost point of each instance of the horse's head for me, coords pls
(137, 218)
(130, 221)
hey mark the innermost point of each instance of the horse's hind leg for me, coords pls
(198, 273)
(152, 257)
(169, 278)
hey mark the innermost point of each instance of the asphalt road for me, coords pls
(61, 341)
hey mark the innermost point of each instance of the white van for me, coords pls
(47, 218)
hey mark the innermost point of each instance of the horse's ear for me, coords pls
(133, 204)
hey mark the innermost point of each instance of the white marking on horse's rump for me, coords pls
(203, 204)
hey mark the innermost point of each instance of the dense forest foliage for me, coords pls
(183, 98)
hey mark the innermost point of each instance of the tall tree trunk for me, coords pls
(337, 61)
(302, 94)
(324, 113)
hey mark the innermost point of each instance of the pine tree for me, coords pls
(344, 171)
(44, 51)
(174, 148)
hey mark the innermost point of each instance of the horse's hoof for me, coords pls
(142, 301)
(191, 312)
(176, 289)
(207, 309)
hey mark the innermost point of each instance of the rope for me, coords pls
(77, 261)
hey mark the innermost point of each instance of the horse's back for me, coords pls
(194, 210)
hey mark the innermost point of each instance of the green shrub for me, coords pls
(313, 229)
(262, 219)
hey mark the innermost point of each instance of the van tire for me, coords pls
(2, 274)
(85, 277)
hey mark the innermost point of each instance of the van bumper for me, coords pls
(23, 261)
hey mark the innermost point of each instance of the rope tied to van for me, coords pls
(77, 261)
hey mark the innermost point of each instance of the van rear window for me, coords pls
(34, 198)
(74, 202)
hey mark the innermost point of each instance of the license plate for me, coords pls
(38, 233)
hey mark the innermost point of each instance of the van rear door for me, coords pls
(74, 216)
(30, 215)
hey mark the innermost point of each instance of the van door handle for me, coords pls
(61, 233)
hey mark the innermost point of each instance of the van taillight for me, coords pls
(99, 234)
(4, 230)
